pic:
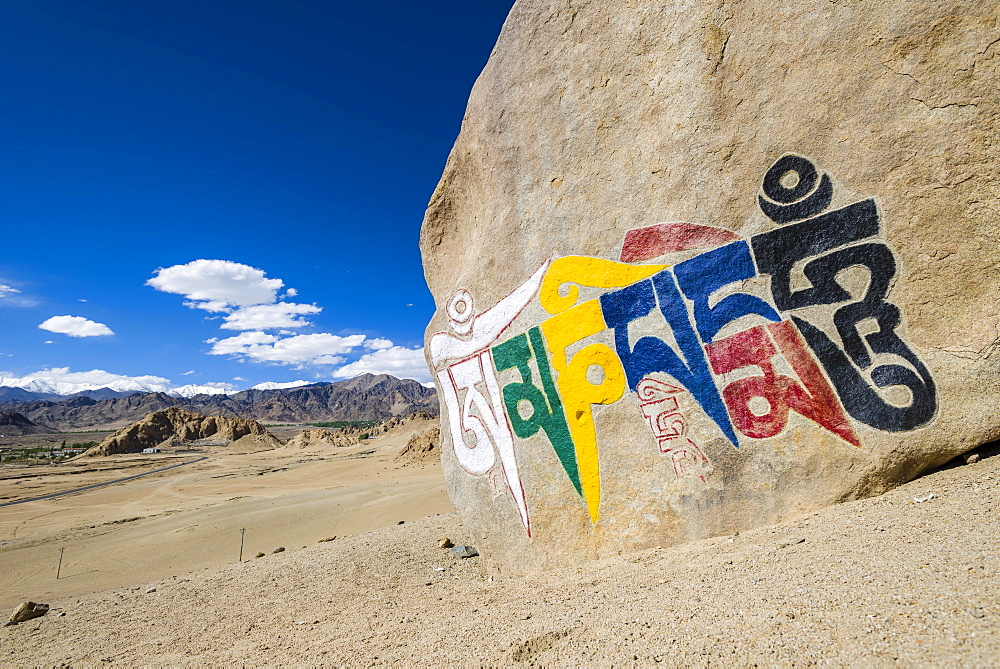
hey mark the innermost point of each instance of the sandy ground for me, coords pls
(884, 581)
(190, 517)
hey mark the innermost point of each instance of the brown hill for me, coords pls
(173, 423)
(14, 424)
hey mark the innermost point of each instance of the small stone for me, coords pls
(401, 522)
(464, 551)
(971, 458)
(279, 549)
(27, 611)
(259, 555)
(325, 539)
(445, 542)
(929, 496)
(150, 590)
(792, 542)
(62, 613)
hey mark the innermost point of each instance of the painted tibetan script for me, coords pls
(752, 331)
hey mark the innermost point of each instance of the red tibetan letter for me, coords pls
(812, 398)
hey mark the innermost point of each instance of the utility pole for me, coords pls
(243, 531)
(59, 569)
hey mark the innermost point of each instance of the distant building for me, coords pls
(152, 450)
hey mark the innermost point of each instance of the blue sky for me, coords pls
(234, 189)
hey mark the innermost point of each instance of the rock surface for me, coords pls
(463, 551)
(704, 267)
(424, 447)
(173, 424)
(321, 439)
(27, 611)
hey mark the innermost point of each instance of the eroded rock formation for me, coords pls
(172, 424)
(321, 439)
(423, 447)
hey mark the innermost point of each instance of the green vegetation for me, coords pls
(363, 436)
(345, 423)
(43, 453)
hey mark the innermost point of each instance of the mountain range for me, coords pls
(35, 389)
(366, 397)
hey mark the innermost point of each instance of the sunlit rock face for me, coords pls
(701, 266)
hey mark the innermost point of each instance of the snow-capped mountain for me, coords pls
(38, 388)
(271, 385)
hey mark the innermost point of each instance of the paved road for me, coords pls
(100, 485)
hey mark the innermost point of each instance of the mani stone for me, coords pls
(705, 266)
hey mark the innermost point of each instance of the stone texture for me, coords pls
(173, 423)
(321, 439)
(424, 447)
(463, 551)
(595, 121)
(27, 611)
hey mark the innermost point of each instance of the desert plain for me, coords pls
(190, 517)
(151, 576)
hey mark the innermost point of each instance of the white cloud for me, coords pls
(378, 344)
(6, 290)
(399, 361)
(217, 285)
(75, 326)
(249, 302)
(309, 349)
(48, 341)
(270, 316)
(188, 373)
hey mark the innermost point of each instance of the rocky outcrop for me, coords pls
(703, 266)
(387, 426)
(14, 424)
(425, 447)
(321, 439)
(367, 397)
(172, 424)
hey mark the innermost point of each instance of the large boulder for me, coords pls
(701, 266)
